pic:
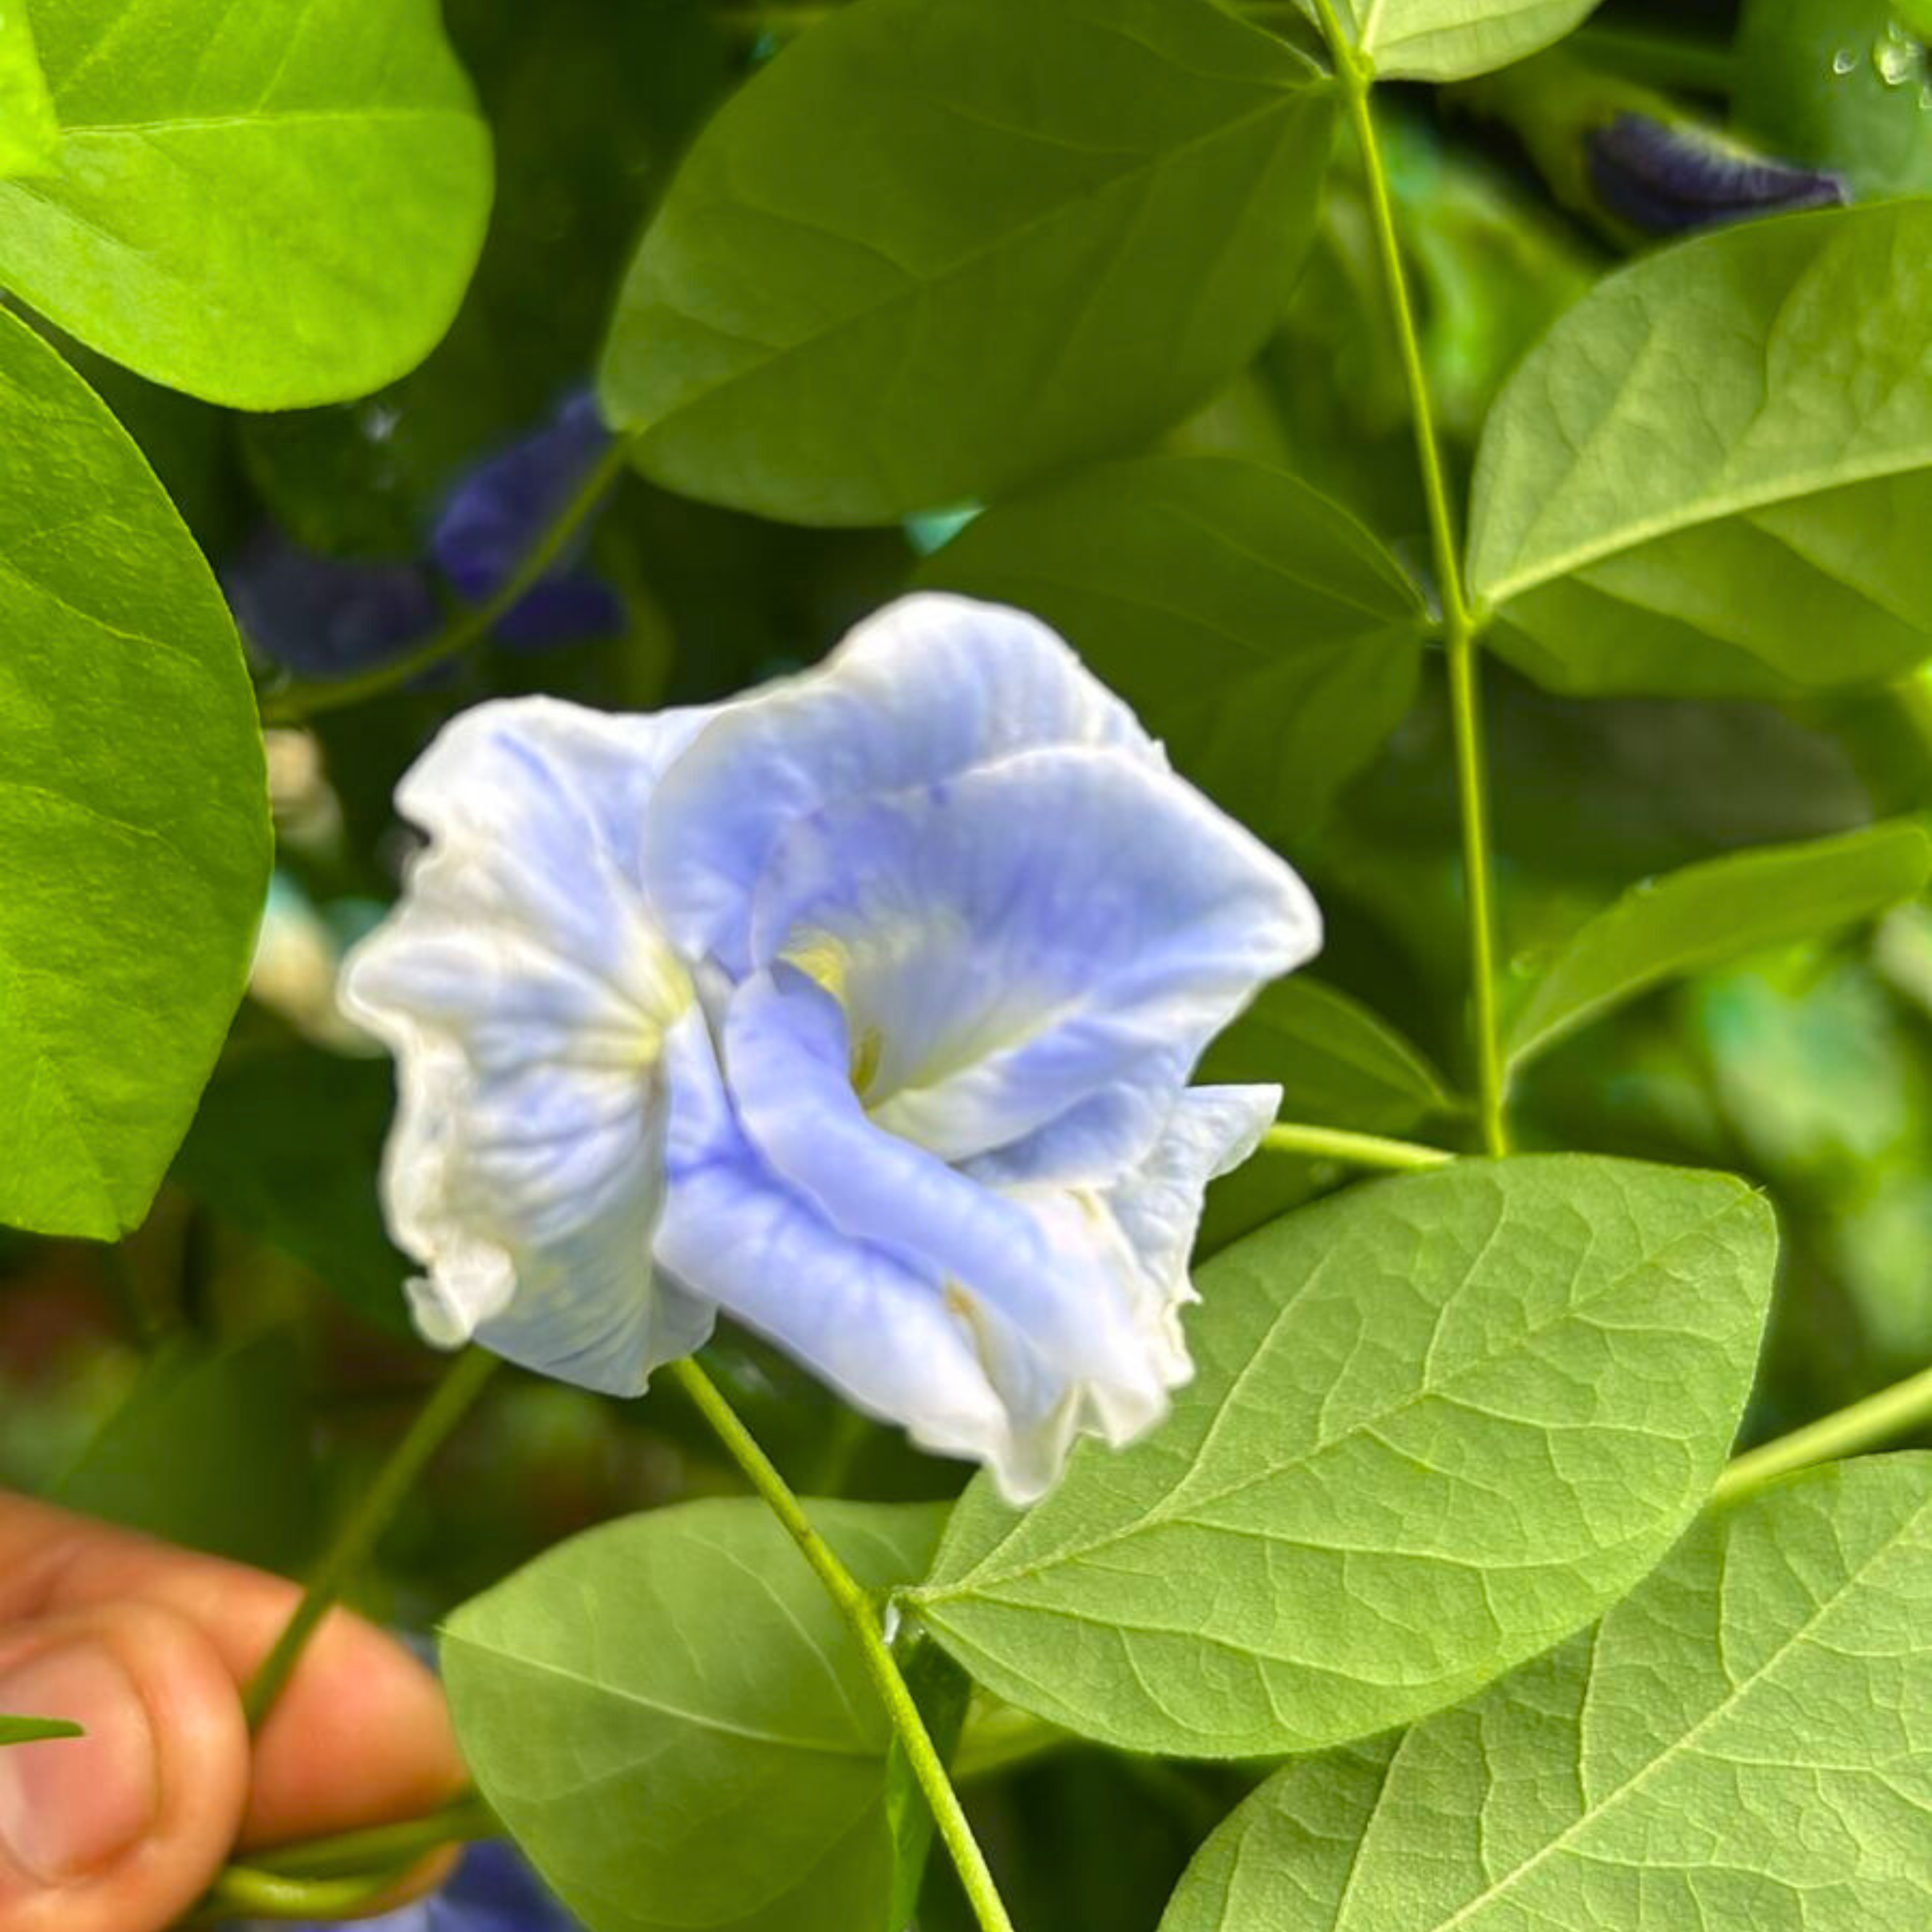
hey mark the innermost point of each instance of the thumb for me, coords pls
(120, 1830)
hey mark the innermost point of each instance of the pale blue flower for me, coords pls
(862, 1008)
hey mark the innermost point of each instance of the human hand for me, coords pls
(147, 1648)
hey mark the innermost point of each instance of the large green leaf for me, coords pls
(1438, 1423)
(1740, 1743)
(1722, 909)
(265, 206)
(1714, 476)
(671, 1718)
(940, 246)
(1254, 625)
(36, 1730)
(29, 131)
(1450, 39)
(211, 1449)
(134, 810)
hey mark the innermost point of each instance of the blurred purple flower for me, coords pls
(327, 616)
(501, 508)
(1670, 180)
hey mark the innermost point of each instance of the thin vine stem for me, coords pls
(1905, 1405)
(1461, 626)
(862, 1619)
(349, 1548)
(245, 1891)
(379, 1847)
(290, 703)
(1356, 1150)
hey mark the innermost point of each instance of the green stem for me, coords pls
(289, 703)
(382, 1847)
(1460, 624)
(245, 1891)
(863, 1620)
(1356, 1150)
(356, 1537)
(1905, 1405)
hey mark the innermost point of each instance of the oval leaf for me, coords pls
(1437, 1424)
(1450, 39)
(672, 1719)
(1256, 626)
(134, 810)
(29, 132)
(1704, 915)
(1041, 234)
(1714, 476)
(265, 205)
(1739, 1743)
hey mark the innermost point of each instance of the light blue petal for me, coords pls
(1032, 956)
(526, 994)
(932, 686)
(786, 1051)
(878, 1331)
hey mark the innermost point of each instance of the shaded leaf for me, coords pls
(1256, 627)
(672, 1718)
(1714, 475)
(1041, 234)
(1739, 1743)
(210, 1450)
(265, 205)
(1665, 929)
(1437, 1424)
(134, 810)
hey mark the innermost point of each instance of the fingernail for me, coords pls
(70, 1805)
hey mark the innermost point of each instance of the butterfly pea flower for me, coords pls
(502, 507)
(326, 616)
(861, 1009)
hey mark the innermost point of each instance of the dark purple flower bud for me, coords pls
(326, 616)
(1667, 179)
(503, 506)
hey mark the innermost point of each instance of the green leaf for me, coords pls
(1040, 234)
(36, 1730)
(1837, 84)
(211, 1449)
(1739, 1743)
(1437, 1424)
(286, 1145)
(1450, 39)
(1256, 626)
(1338, 1063)
(1714, 476)
(29, 131)
(1665, 929)
(671, 1718)
(265, 205)
(134, 810)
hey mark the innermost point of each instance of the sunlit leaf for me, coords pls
(29, 131)
(1437, 1424)
(1739, 1743)
(134, 811)
(1714, 476)
(265, 206)
(1450, 39)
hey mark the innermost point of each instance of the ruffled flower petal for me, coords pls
(930, 688)
(526, 996)
(1053, 938)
